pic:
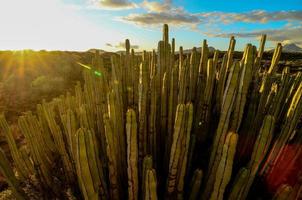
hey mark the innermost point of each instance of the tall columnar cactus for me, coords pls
(59, 141)
(239, 183)
(220, 82)
(114, 178)
(292, 118)
(185, 151)
(163, 112)
(41, 155)
(223, 125)
(183, 80)
(225, 67)
(282, 93)
(147, 165)
(129, 77)
(224, 171)
(24, 167)
(195, 184)
(132, 155)
(8, 173)
(244, 83)
(153, 118)
(48, 141)
(205, 105)
(247, 175)
(91, 179)
(172, 104)
(179, 150)
(266, 86)
(150, 185)
(194, 63)
(143, 110)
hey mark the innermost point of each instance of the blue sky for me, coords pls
(105, 24)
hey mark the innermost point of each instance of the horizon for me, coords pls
(80, 25)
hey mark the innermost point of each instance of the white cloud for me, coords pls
(164, 12)
(155, 6)
(159, 13)
(171, 18)
(254, 16)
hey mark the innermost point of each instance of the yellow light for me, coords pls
(83, 65)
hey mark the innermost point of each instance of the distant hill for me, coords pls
(186, 51)
(94, 50)
(290, 48)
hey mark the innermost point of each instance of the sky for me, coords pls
(105, 24)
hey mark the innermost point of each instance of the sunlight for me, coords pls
(51, 25)
(98, 73)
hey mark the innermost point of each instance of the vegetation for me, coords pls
(160, 127)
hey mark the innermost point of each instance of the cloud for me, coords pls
(164, 12)
(159, 13)
(289, 33)
(113, 4)
(121, 45)
(284, 35)
(154, 6)
(254, 16)
(172, 18)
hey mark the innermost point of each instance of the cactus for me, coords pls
(152, 128)
(132, 155)
(179, 149)
(239, 184)
(24, 166)
(112, 160)
(193, 73)
(226, 65)
(225, 166)
(247, 175)
(143, 109)
(59, 141)
(8, 173)
(147, 165)
(87, 166)
(283, 192)
(172, 101)
(195, 184)
(133, 131)
(227, 107)
(245, 79)
(41, 156)
(293, 116)
(205, 105)
(150, 185)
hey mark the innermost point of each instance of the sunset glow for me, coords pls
(105, 24)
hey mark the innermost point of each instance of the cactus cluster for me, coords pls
(163, 126)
